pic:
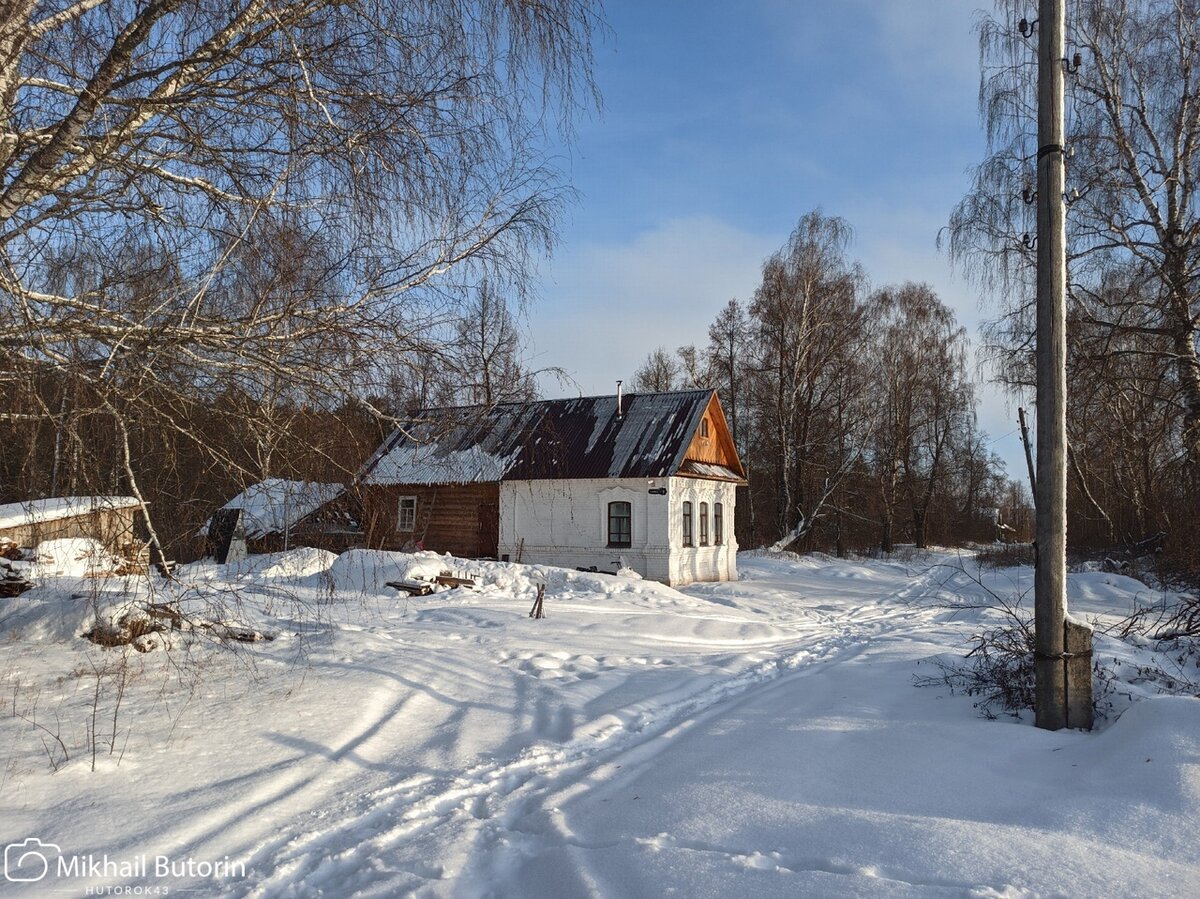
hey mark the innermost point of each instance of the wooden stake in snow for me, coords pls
(538, 611)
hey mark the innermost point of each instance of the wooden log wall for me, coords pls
(112, 527)
(461, 519)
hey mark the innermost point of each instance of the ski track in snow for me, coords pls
(759, 737)
(373, 842)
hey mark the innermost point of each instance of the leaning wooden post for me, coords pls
(538, 611)
(1051, 501)
(1028, 454)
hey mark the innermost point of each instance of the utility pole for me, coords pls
(1028, 454)
(1051, 499)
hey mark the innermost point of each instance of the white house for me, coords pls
(645, 481)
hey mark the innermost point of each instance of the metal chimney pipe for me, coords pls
(620, 411)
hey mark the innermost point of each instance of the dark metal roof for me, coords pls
(572, 438)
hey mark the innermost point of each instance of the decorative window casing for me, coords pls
(704, 524)
(406, 514)
(687, 523)
(718, 524)
(620, 524)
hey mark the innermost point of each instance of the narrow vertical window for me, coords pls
(406, 520)
(687, 524)
(620, 524)
(704, 524)
(718, 524)
(704, 427)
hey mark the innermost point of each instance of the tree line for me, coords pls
(1133, 230)
(237, 236)
(854, 410)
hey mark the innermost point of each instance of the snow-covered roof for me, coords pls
(710, 470)
(571, 438)
(273, 505)
(56, 508)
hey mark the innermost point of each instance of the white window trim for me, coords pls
(412, 526)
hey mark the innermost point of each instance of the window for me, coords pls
(718, 524)
(704, 427)
(620, 524)
(407, 519)
(704, 524)
(687, 524)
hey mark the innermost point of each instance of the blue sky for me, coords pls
(723, 123)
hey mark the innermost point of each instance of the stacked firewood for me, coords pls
(13, 561)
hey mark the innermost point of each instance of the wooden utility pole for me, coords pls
(1051, 499)
(1028, 454)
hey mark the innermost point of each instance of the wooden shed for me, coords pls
(108, 519)
(279, 514)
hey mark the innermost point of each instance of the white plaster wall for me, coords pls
(702, 563)
(566, 523)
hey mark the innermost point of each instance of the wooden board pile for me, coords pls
(418, 587)
(12, 581)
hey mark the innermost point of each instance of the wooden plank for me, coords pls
(1077, 640)
(717, 447)
(412, 588)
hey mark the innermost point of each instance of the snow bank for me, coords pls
(297, 563)
(289, 565)
(64, 609)
(71, 557)
(368, 570)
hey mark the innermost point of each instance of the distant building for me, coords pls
(279, 514)
(645, 481)
(108, 519)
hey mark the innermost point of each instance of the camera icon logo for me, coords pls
(28, 861)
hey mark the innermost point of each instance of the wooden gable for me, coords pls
(712, 445)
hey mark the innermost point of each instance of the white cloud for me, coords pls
(605, 306)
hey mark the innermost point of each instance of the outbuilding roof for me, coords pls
(56, 508)
(565, 438)
(275, 504)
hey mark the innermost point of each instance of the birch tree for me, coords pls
(314, 186)
(925, 402)
(1132, 168)
(486, 365)
(808, 317)
(728, 352)
(659, 371)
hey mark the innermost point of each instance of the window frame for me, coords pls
(614, 506)
(718, 524)
(688, 534)
(412, 525)
(704, 524)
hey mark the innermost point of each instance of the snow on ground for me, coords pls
(757, 738)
